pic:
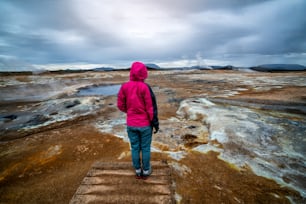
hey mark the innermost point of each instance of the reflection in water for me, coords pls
(105, 90)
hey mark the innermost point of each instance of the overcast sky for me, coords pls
(59, 33)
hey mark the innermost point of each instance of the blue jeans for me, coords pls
(140, 140)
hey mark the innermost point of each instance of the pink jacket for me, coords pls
(136, 98)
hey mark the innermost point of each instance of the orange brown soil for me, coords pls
(211, 180)
(48, 167)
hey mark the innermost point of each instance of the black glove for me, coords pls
(156, 127)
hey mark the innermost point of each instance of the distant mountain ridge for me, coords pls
(152, 66)
(279, 67)
(103, 69)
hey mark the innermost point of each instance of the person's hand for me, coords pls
(156, 127)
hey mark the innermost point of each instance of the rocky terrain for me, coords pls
(229, 136)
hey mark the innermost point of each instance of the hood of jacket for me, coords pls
(138, 72)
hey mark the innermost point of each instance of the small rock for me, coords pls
(37, 119)
(9, 118)
(70, 104)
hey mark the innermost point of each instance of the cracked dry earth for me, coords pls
(45, 161)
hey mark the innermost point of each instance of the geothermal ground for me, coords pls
(228, 136)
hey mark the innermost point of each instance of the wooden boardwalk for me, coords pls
(116, 183)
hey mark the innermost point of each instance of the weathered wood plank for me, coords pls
(116, 183)
(122, 198)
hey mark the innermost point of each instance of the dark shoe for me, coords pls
(138, 173)
(146, 174)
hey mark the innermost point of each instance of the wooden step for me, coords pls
(116, 183)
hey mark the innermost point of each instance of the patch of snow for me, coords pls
(180, 168)
(219, 136)
(271, 145)
(206, 102)
(207, 148)
(178, 197)
(176, 155)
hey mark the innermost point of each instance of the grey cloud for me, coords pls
(194, 6)
(62, 31)
(278, 31)
(8, 63)
(28, 34)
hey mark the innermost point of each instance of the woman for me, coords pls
(137, 100)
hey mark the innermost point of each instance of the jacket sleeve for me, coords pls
(121, 100)
(154, 118)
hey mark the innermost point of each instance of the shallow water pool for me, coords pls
(105, 90)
